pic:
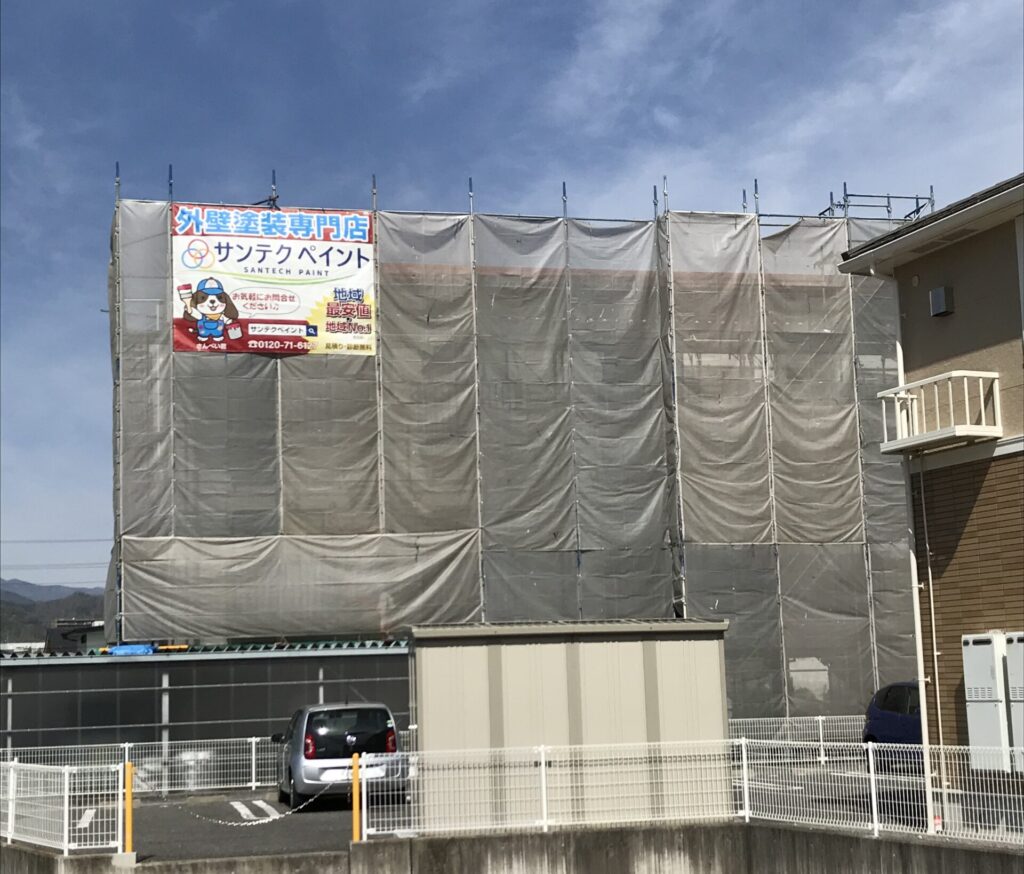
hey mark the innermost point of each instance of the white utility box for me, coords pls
(1015, 693)
(985, 689)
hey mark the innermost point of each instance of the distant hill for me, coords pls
(33, 592)
(24, 619)
(7, 597)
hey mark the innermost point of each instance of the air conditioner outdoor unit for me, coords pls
(985, 690)
(1015, 692)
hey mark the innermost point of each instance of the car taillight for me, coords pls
(390, 742)
(309, 748)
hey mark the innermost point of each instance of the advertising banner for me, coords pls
(275, 281)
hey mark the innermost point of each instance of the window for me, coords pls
(332, 723)
(896, 699)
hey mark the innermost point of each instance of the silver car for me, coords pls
(316, 752)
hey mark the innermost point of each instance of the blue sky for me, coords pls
(606, 96)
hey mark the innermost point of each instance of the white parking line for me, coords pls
(86, 818)
(243, 810)
(272, 812)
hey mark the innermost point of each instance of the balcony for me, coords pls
(961, 406)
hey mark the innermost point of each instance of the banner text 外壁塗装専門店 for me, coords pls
(277, 281)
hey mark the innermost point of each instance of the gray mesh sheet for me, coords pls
(529, 584)
(621, 430)
(428, 373)
(620, 427)
(329, 452)
(146, 368)
(893, 611)
(722, 419)
(809, 334)
(527, 488)
(825, 625)
(876, 319)
(182, 588)
(740, 583)
(227, 477)
(627, 583)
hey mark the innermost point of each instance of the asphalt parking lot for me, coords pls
(238, 824)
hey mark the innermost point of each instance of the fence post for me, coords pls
(12, 790)
(252, 763)
(364, 789)
(821, 739)
(874, 788)
(357, 831)
(120, 806)
(67, 809)
(746, 780)
(129, 808)
(543, 787)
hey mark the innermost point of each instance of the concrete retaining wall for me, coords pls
(669, 849)
(722, 849)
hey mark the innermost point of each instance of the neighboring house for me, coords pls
(958, 420)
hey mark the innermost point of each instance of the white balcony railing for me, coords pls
(956, 407)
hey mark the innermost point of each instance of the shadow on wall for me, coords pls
(950, 495)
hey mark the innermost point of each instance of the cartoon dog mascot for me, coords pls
(211, 308)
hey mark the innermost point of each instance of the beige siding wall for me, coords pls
(984, 331)
(592, 692)
(686, 674)
(612, 702)
(449, 720)
(536, 694)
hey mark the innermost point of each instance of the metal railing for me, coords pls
(870, 788)
(64, 808)
(947, 408)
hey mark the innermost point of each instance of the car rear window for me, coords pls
(340, 732)
(332, 723)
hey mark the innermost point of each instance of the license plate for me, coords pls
(345, 774)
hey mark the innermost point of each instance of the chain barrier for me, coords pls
(266, 819)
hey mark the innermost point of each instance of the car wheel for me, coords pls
(282, 796)
(295, 799)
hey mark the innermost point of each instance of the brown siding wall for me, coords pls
(975, 515)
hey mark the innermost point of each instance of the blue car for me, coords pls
(894, 715)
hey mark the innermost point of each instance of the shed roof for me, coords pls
(604, 629)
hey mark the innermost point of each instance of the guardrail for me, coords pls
(947, 408)
(64, 808)
(871, 788)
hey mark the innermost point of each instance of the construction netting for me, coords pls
(565, 419)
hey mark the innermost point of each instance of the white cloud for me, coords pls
(628, 52)
(935, 97)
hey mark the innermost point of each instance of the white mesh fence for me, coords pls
(62, 807)
(824, 729)
(174, 766)
(69, 798)
(552, 787)
(872, 788)
(979, 792)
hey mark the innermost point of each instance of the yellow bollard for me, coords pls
(129, 776)
(357, 832)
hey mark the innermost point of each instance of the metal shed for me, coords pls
(568, 683)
